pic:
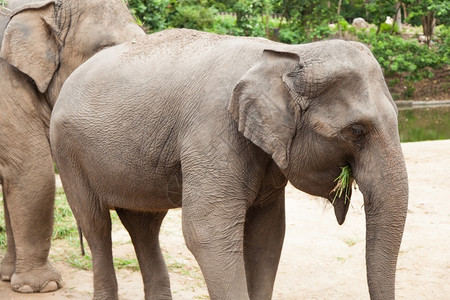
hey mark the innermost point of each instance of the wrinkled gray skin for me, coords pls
(42, 43)
(218, 125)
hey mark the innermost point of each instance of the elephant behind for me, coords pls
(42, 42)
(217, 125)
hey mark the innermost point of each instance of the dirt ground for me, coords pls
(320, 259)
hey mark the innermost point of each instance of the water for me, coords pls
(424, 124)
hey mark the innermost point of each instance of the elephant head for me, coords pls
(318, 107)
(49, 39)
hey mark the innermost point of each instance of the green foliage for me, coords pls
(387, 28)
(443, 39)
(151, 13)
(344, 24)
(157, 15)
(225, 24)
(418, 8)
(396, 55)
(193, 17)
(378, 10)
(351, 9)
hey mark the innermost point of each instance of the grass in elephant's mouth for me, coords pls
(343, 184)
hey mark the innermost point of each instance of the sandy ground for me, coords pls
(320, 259)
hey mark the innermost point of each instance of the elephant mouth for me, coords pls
(341, 194)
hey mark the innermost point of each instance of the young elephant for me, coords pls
(42, 42)
(217, 125)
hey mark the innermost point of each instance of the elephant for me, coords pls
(218, 125)
(42, 42)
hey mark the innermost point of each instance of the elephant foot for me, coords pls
(41, 280)
(49, 287)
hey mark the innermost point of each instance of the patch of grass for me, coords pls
(3, 241)
(351, 242)
(127, 263)
(64, 221)
(65, 228)
(75, 260)
(343, 184)
(178, 267)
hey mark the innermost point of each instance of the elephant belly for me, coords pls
(145, 193)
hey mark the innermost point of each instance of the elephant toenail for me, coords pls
(25, 289)
(49, 287)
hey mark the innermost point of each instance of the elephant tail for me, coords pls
(80, 234)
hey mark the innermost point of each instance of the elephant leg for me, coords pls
(98, 237)
(213, 228)
(9, 260)
(95, 222)
(144, 230)
(29, 197)
(263, 240)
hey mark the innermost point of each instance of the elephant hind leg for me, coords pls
(144, 230)
(95, 223)
(91, 214)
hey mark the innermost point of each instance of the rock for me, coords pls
(389, 20)
(359, 23)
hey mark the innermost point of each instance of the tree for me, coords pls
(428, 13)
(379, 9)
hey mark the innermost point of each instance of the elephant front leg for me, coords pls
(29, 202)
(214, 235)
(144, 230)
(263, 240)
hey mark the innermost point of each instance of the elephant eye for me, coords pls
(355, 133)
(358, 130)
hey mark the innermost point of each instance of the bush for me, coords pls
(226, 25)
(289, 36)
(396, 55)
(344, 24)
(193, 17)
(443, 39)
(151, 14)
(387, 28)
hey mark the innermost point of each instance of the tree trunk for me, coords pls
(428, 24)
(398, 16)
(339, 15)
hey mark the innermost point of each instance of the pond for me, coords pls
(424, 124)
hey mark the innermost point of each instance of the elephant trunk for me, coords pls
(384, 184)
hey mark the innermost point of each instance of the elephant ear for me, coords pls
(29, 42)
(263, 107)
